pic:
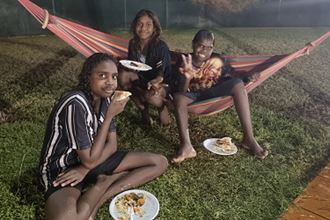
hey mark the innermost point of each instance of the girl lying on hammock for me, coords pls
(80, 147)
(204, 76)
(147, 87)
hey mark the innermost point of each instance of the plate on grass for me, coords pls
(142, 204)
(218, 146)
(134, 65)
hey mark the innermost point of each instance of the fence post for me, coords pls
(53, 5)
(279, 12)
(166, 14)
(125, 15)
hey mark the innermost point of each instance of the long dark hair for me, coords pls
(86, 71)
(203, 35)
(135, 42)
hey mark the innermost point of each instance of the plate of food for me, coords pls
(119, 95)
(135, 65)
(134, 204)
(221, 146)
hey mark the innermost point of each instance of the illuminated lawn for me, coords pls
(291, 117)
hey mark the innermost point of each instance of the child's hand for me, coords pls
(213, 66)
(156, 85)
(71, 177)
(116, 107)
(187, 69)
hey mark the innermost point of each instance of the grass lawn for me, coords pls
(290, 112)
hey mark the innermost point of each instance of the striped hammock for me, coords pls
(88, 41)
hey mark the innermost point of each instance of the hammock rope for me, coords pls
(88, 41)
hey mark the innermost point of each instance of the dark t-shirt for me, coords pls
(158, 57)
(72, 125)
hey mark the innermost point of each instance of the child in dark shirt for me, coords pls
(148, 87)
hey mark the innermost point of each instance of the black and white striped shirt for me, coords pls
(72, 125)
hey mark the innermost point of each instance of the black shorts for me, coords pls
(107, 167)
(223, 88)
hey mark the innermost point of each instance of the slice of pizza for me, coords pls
(120, 95)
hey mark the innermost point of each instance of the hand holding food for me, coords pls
(156, 83)
(119, 100)
(120, 95)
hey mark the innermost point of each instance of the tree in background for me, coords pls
(217, 11)
(226, 5)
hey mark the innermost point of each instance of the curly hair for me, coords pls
(88, 66)
(156, 34)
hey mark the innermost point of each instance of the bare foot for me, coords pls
(183, 154)
(164, 116)
(104, 182)
(254, 148)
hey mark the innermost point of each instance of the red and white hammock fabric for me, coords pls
(88, 41)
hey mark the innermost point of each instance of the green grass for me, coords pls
(290, 113)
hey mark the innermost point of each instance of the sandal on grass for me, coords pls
(261, 155)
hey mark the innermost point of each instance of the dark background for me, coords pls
(107, 15)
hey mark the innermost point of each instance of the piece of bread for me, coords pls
(224, 141)
(120, 95)
(225, 144)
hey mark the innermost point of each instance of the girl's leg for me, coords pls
(186, 149)
(140, 168)
(158, 99)
(126, 81)
(241, 103)
(69, 203)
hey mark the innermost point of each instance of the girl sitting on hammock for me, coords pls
(204, 76)
(80, 147)
(147, 87)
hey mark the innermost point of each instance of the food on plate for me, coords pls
(134, 64)
(225, 144)
(131, 200)
(120, 95)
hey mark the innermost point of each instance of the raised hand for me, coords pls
(71, 177)
(187, 68)
(116, 107)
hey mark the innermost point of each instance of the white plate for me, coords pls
(135, 65)
(209, 144)
(150, 207)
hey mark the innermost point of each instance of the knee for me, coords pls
(161, 163)
(178, 99)
(155, 99)
(62, 215)
(238, 86)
